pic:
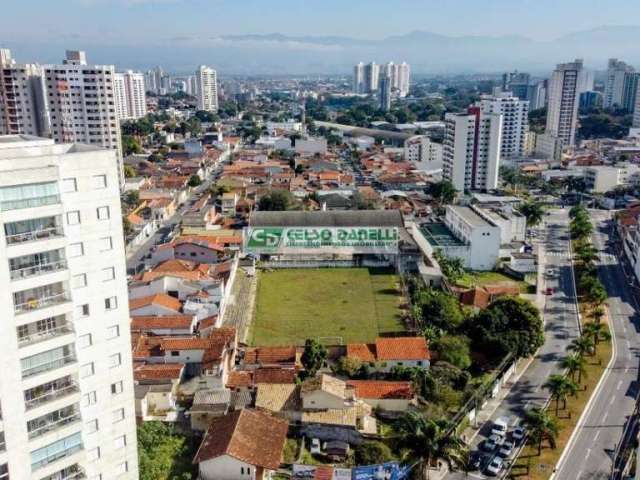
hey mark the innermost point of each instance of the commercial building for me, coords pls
(564, 99)
(614, 82)
(515, 121)
(602, 178)
(130, 95)
(67, 390)
(471, 149)
(207, 89)
(368, 238)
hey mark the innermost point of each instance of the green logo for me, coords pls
(265, 237)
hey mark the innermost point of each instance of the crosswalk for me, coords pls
(565, 254)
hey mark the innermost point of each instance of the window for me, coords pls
(69, 185)
(81, 311)
(106, 243)
(84, 341)
(93, 454)
(111, 303)
(90, 398)
(103, 213)
(79, 281)
(73, 217)
(175, 353)
(108, 274)
(116, 388)
(91, 426)
(120, 442)
(122, 468)
(87, 370)
(99, 181)
(75, 249)
(115, 360)
(113, 332)
(117, 415)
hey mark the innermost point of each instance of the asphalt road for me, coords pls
(589, 456)
(561, 327)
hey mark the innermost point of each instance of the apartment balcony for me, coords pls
(56, 451)
(38, 269)
(31, 338)
(50, 392)
(53, 421)
(37, 301)
(8, 205)
(33, 230)
(74, 472)
(48, 361)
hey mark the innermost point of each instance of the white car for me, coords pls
(315, 448)
(518, 433)
(500, 426)
(506, 449)
(494, 466)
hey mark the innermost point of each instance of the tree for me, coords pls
(558, 386)
(452, 267)
(596, 332)
(510, 176)
(587, 254)
(373, 452)
(541, 427)
(532, 211)
(129, 171)
(424, 440)
(194, 181)
(582, 345)
(206, 117)
(127, 227)
(313, 357)
(349, 367)
(218, 190)
(276, 200)
(132, 197)
(575, 364)
(443, 192)
(130, 145)
(439, 309)
(453, 349)
(507, 325)
(163, 454)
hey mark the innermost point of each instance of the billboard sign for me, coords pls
(313, 472)
(301, 240)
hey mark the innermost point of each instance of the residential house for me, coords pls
(390, 396)
(164, 325)
(158, 305)
(388, 352)
(156, 387)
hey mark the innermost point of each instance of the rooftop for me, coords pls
(362, 218)
(439, 235)
(468, 215)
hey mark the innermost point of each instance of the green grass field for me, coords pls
(355, 304)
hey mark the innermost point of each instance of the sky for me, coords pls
(148, 22)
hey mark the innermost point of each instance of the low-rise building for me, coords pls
(390, 396)
(388, 352)
(603, 178)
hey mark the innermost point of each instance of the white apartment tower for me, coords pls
(515, 121)
(564, 100)
(471, 149)
(358, 78)
(636, 111)
(614, 82)
(67, 388)
(130, 95)
(371, 77)
(207, 89)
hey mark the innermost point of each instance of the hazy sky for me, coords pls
(149, 21)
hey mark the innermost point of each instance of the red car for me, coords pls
(549, 291)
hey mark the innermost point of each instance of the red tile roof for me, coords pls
(402, 348)
(381, 389)
(159, 299)
(250, 436)
(274, 375)
(150, 322)
(270, 355)
(188, 343)
(240, 378)
(158, 371)
(364, 352)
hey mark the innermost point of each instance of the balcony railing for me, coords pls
(41, 269)
(74, 472)
(35, 337)
(55, 457)
(29, 202)
(55, 425)
(42, 302)
(52, 395)
(43, 234)
(47, 367)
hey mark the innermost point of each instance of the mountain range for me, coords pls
(428, 53)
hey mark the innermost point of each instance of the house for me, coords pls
(164, 325)
(389, 352)
(391, 396)
(198, 249)
(282, 399)
(271, 357)
(325, 392)
(158, 304)
(228, 203)
(162, 208)
(155, 390)
(211, 404)
(244, 445)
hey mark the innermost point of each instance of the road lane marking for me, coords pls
(595, 437)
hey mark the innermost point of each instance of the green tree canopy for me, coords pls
(372, 452)
(453, 349)
(443, 192)
(452, 267)
(276, 200)
(162, 453)
(532, 211)
(438, 308)
(541, 426)
(130, 145)
(194, 181)
(313, 356)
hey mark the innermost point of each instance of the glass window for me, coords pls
(113, 332)
(93, 454)
(116, 388)
(84, 341)
(103, 213)
(69, 185)
(115, 360)
(108, 274)
(73, 217)
(120, 442)
(87, 370)
(79, 281)
(82, 311)
(111, 303)
(56, 450)
(75, 249)
(29, 196)
(89, 398)
(118, 415)
(106, 243)
(99, 181)
(91, 426)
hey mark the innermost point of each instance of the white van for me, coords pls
(500, 426)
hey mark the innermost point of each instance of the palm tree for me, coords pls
(598, 314)
(587, 254)
(575, 364)
(426, 440)
(596, 332)
(558, 387)
(582, 345)
(533, 212)
(541, 426)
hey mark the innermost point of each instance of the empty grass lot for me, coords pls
(347, 304)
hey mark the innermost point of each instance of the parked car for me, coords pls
(518, 433)
(492, 443)
(316, 447)
(494, 467)
(475, 461)
(506, 449)
(500, 426)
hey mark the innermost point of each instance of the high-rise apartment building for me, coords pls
(358, 79)
(471, 149)
(515, 121)
(384, 93)
(72, 102)
(629, 90)
(67, 389)
(156, 81)
(614, 82)
(130, 95)
(371, 77)
(636, 110)
(207, 89)
(564, 99)
(366, 78)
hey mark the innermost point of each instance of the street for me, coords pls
(561, 327)
(589, 455)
